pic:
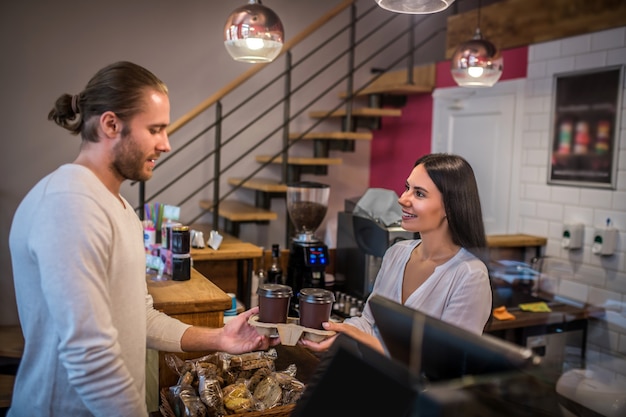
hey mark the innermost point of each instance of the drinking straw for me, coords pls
(146, 211)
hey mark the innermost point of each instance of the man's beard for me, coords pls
(129, 162)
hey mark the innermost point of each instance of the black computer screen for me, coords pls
(355, 380)
(441, 351)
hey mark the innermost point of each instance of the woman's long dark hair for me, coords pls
(454, 178)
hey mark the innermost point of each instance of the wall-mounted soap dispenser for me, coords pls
(572, 236)
(604, 240)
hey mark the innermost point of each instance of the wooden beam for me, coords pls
(513, 23)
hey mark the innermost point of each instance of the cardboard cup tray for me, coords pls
(289, 332)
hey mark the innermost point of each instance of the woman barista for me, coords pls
(439, 273)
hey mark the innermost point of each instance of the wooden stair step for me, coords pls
(300, 160)
(237, 211)
(397, 83)
(333, 135)
(400, 89)
(360, 112)
(267, 185)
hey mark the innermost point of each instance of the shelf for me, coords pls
(333, 136)
(515, 241)
(237, 211)
(266, 185)
(300, 160)
(361, 112)
(396, 83)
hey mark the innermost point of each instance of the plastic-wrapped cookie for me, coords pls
(237, 398)
(269, 392)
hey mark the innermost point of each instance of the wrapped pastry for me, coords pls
(186, 402)
(257, 377)
(269, 392)
(239, 399)
(179, 366)
(210, 389)
(248, 361)
(291, 386)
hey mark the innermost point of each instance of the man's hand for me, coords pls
(238, 336)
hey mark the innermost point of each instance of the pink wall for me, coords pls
(402, 140)
(399, 142)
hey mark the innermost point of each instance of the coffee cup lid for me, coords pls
(316, 296)
(274, 291)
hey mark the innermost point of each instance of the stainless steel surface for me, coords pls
(356, 270)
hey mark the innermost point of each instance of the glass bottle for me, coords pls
(258, 278)
(275, 272)
(260, 272)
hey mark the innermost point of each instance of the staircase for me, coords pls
(390, 86)
(357, 100)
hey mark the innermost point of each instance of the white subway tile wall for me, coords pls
(579, 275)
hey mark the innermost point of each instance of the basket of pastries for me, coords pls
(222, 384)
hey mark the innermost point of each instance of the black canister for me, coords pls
(166, 233)
(181, 240)
(315, 305)
(181, 267)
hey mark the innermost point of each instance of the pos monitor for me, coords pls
(440, 351)
(354, 380)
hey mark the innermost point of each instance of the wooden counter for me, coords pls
(197, 301)
(557, 336)
(515, 241)
(515, 246)
(561, 313)
(231, 249)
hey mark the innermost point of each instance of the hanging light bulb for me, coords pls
(477, 62)
(253, 33)
(415, 6)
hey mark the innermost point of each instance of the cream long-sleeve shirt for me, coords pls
(458, 291)
(79, 273)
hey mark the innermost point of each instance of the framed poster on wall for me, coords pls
(585, 127)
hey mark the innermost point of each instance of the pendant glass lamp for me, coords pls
(253, 33)
(477, 62)
(415, 6)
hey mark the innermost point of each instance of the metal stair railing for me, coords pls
(288, 117)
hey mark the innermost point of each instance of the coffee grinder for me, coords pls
(307, 203)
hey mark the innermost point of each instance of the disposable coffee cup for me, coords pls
(274, 302)
(315, 305)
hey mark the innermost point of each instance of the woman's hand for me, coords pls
(347, 329)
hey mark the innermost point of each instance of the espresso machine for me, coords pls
(307, 204)
(369, 225)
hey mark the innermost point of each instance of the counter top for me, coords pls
(561, 313)
(227, 251)
(231, 248)
(514, 241)
(196, 295)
